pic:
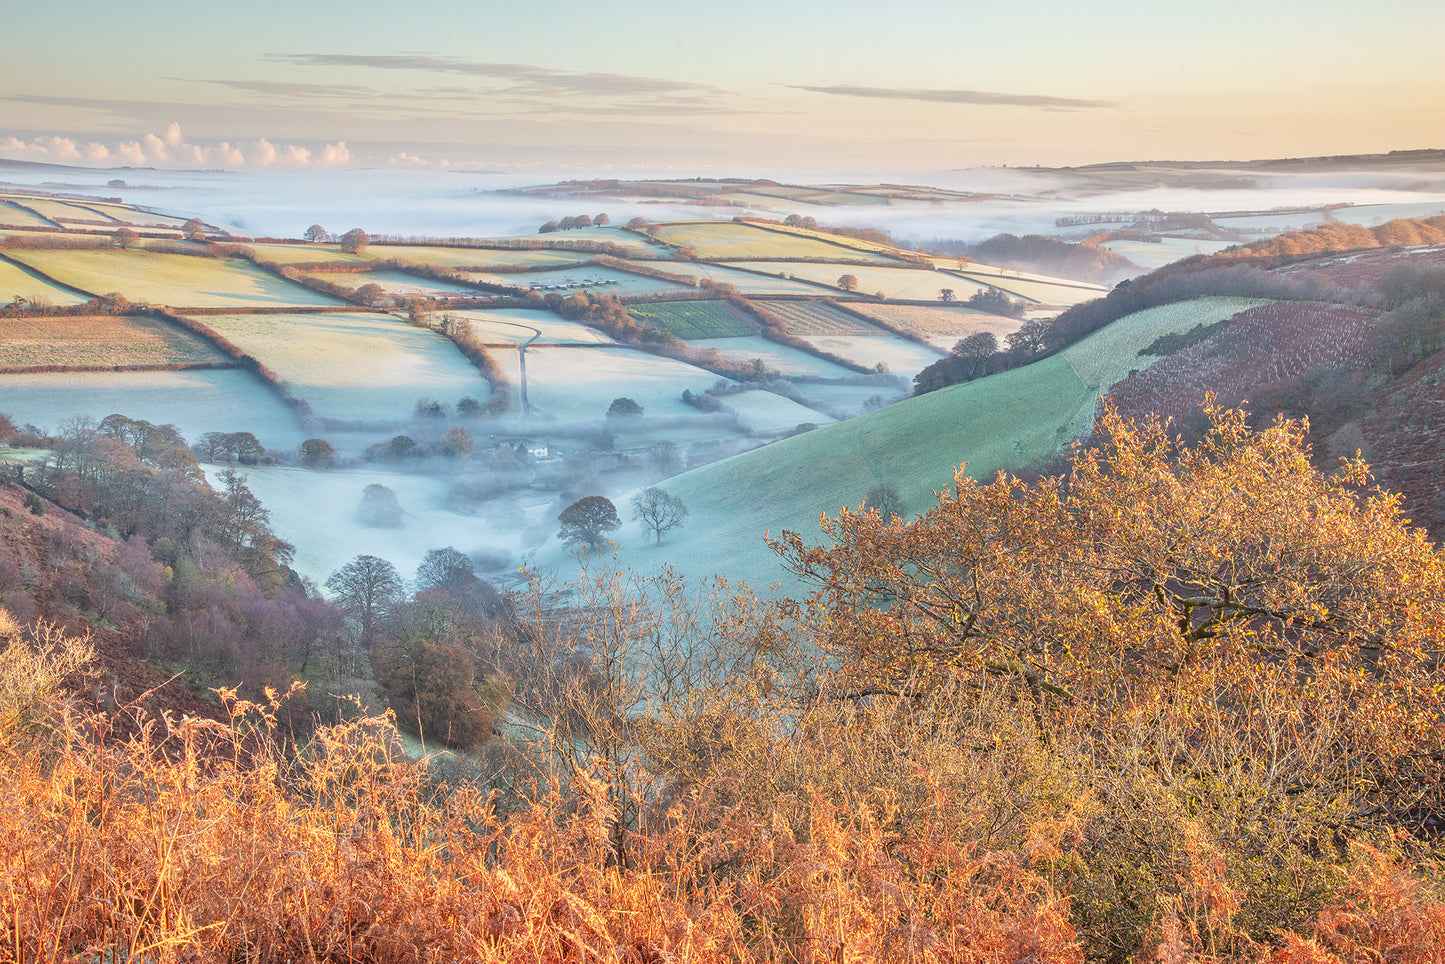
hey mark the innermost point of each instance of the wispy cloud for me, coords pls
(525, 79)
(983, 97)
(282, 88)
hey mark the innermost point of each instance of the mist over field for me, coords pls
(457, 203)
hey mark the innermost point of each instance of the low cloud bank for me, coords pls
(171, 149)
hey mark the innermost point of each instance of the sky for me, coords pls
(744, 88)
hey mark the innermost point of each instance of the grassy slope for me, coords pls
(995, 423)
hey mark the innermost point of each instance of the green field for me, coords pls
(103, 340)
(690, 320)
(728, 239)
(305, 253)
(60, 210)
(14, 215)
(17, 282)
(170, 279)
(817, 318)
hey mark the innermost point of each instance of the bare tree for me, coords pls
(658, 511)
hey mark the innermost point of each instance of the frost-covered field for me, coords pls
(788, 360)
(1150, 255)
(770, 413)
(1024, 285)
(910, 284)
(514, 326)
(194, 401)
(590, 278)
(745, 281)
(903, 357)
(398, 284)
(356, 366)
(726, 239)
(465, 257)
(580, 383)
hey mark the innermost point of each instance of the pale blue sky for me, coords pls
(738, 87)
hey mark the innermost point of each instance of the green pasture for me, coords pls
(306, 253)
(60, 210)
(17, 282)
(170, 279)
(14, 215)
(691, 320)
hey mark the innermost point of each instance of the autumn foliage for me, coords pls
(1179, 704)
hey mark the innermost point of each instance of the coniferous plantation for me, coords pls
(1155, 677)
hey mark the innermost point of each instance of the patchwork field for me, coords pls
(770, 414)
(1025, 286)
(16, 282)
(356, 366)
(845, 400)
(817, 318)
(728, 239)
(902, 357)
(911, 284)
(136, 216)
(170, 279)
(105, 340)
(448, 257)
(942, 326)
(196, 401)
(1168, 250)
(397, 284)
(783, 358)
(690, 320)
(580, 383)
(305, 253)
(57, 210)
(516, 326)
(745, 281)
(589, 278)
(13, 215)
